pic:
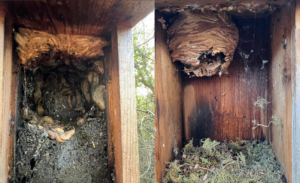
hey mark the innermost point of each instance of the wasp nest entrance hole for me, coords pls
(203, 39)
(204, 42)
(62, 128)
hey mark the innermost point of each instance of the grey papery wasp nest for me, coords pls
(204, 42)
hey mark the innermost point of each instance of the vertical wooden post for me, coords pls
(296, 97)
(168, 103)
(5, 86)
(122, 106)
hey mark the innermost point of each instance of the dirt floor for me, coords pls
(82, 158)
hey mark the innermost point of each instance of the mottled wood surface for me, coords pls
(5, 94)
(122, 107)
(14, 91)
(112, 109)
(295, 44)
(222, 108)
(280, 85)
(80, 17)
(168, 103)
(166, 3)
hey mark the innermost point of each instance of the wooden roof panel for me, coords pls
(166, 3)
(94, 17)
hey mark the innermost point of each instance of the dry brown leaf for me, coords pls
(51, 134)
(57, 137)
(67, 135)
(48, 119)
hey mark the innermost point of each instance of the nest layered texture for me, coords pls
(204, 42)
(33, 44)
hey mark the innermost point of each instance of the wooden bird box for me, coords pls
(110, 19)
(261, 83)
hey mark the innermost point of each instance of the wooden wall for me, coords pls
(94, 18)
(280, 84)
(121, 107)
(295, 60)
(168, 103)
(222, 108)
(6, 79)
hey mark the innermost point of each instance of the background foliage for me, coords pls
(143, 40)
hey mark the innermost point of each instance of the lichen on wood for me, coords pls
(33, 44)
(204, 42)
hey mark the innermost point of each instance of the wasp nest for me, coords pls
(64, 92)
(204, 42)
(33, 45)
(64, 80)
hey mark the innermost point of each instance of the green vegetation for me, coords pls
(143, 40)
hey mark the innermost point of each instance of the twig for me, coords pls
(141, 52)
(144, 42)
(146, 111)
(206, 169)
(257, 125)
(149, 166)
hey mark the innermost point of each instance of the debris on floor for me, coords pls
(233, 162)
(62, 127)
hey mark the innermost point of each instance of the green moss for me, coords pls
(234, 162)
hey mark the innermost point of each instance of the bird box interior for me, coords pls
(61, 134)
(223, 71)
(67, 120)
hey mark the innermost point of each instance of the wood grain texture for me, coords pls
(5, 93)
(79, 17)
(222, 108)
(122, 107)
(168, 101)
(113, 107)
(295, 44)
(166, 3)
(280, 86)
(13, 113)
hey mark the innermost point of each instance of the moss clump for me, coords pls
(213, 162)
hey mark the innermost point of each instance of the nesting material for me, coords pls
(54, 129)
(63, 92)
(234, 162)
(33, 44)
(261, 102)
(203, 41)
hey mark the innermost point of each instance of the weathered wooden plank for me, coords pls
(222, 108)
(168, 101)
(78, 17)
(295, 44)
(11, 72)
(5, 86)
(164, 3)
(112, 98)
(280, 86)
(122, 106)
(3, 125)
